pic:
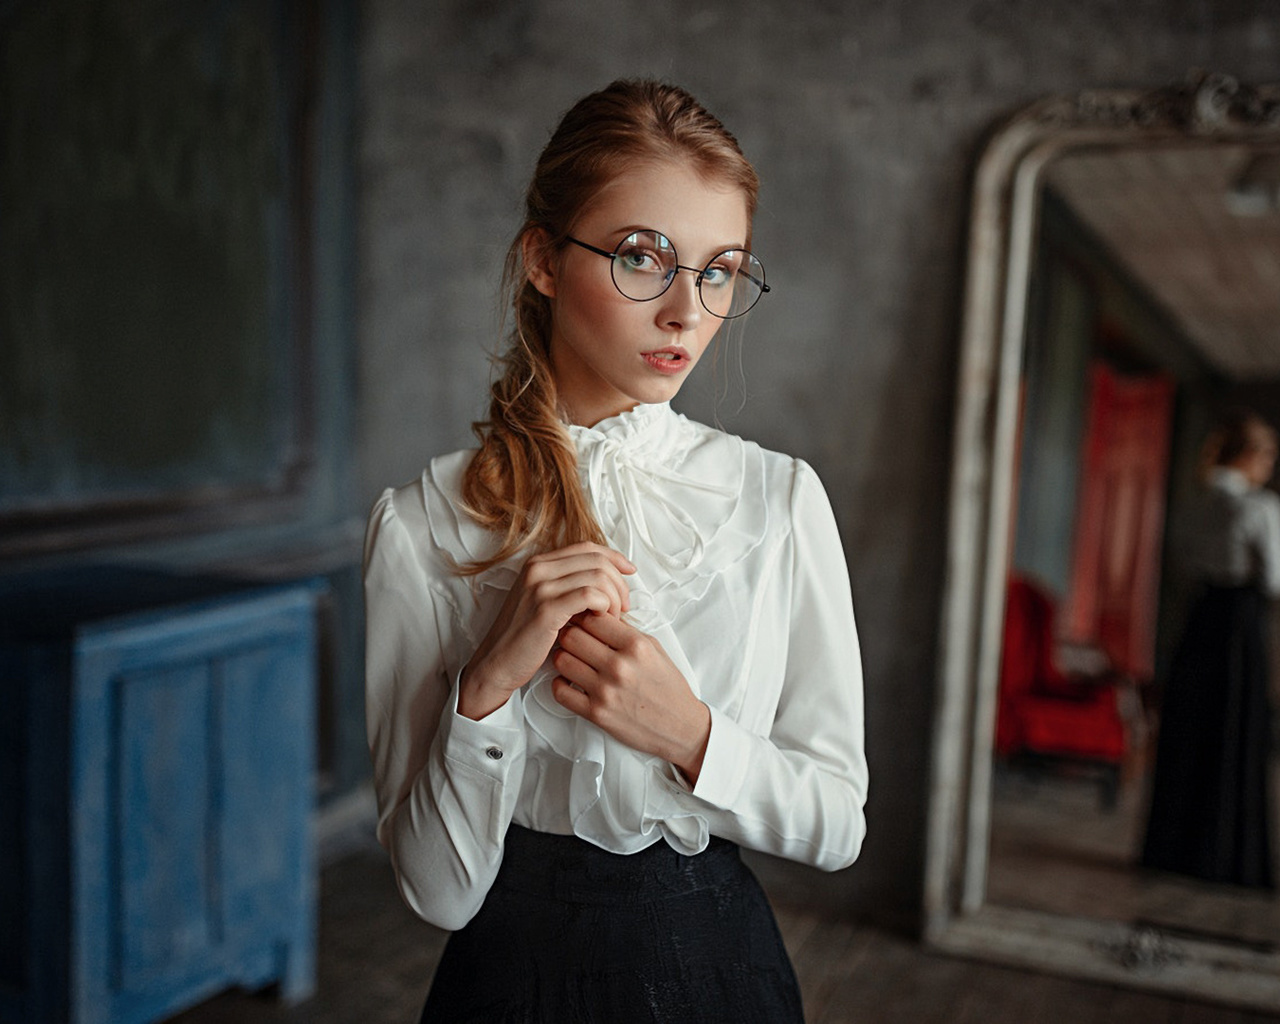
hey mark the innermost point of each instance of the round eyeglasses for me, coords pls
(644, 264)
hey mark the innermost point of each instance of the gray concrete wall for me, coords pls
(864, 119)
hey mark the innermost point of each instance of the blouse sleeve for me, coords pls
(800, 791)
(446, 785)
(1267, 540)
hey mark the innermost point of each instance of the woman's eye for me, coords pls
(638, 260)
(717, 276)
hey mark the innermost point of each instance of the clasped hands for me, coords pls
(569, 604)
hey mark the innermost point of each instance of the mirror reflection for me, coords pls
(1153, 309)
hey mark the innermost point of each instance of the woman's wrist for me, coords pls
(477, 698)
(690, 762)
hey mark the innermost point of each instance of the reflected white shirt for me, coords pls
(740, 576)
(1235, 537)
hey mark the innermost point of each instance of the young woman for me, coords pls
(612, 645)
(1210, 815)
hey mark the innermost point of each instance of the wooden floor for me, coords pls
(376, 959)
(1054, 847)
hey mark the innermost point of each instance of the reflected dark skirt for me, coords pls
(1209, 799)
(570, 933)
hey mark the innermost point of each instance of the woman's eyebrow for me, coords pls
(631, 229)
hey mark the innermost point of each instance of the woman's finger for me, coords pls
(609, 631)
(586, 552)
(550, 579)
(582, 591)
(570, 697)
(575, 639)
(574, 669)
(620, 560)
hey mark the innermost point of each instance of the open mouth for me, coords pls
(667, 360)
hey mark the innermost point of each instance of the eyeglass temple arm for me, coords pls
(590, 248)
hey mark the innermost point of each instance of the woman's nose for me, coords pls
(679, 307)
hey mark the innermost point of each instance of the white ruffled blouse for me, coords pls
(740, 576)
(1234, 534)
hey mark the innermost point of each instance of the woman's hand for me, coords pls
(622, 680)
(551, 589)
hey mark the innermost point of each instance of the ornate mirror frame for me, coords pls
(1001, 247)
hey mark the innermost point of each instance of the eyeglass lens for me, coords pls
(645, 263)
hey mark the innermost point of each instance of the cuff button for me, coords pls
(494, 753)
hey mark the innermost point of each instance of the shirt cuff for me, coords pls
(492, 745)
(724, 766)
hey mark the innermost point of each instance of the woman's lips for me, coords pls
(667, 360)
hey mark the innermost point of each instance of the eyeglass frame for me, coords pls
(701, 273)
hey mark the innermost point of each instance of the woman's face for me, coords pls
(1260, 458)
(609, 353)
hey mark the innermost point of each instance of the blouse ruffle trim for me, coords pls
(682, 502)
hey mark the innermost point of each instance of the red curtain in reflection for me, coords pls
(1112, 597)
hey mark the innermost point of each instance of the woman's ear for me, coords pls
(539, 261)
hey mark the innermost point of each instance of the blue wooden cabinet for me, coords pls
(156, 790)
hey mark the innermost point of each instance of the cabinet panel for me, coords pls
(267, 738)
(165, 839)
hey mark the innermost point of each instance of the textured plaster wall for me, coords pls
(864, 120)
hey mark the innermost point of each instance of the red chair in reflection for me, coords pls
(1045, 716)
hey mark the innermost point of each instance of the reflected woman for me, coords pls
(1209, 803)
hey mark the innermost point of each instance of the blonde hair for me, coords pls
(523, 482)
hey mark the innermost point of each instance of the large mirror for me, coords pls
(1123, 288)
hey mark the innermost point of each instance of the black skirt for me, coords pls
(571, 934)
(1209, 800)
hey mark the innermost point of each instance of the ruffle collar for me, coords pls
(680, 500)
(639, 427)
(1233, 481)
